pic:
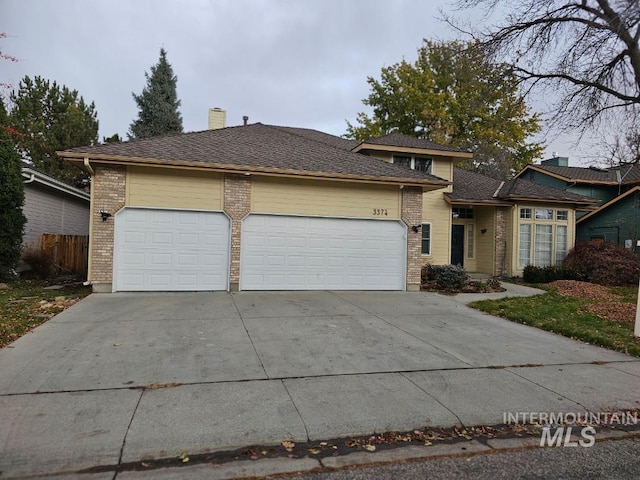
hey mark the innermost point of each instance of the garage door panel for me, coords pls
(171, 250)
(308, 253)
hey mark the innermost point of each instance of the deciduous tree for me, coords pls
(52, 117)
(585, 54)
(158, 103)
(454, 95)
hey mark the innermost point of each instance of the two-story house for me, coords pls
(615, 216)
(261, 207)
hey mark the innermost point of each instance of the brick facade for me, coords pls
(500, 241)
(411, 216)
(109, 195)
(237, 204)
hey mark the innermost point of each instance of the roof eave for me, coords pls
(426, 184)
(33, 175)
(476, 202)
(527, 198)
(565, 178)
(418, 151)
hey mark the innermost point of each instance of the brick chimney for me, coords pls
(217, 118)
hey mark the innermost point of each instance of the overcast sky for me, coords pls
(300, 63)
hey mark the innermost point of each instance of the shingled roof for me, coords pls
(257, 148)
(407, 141)
(471, 187)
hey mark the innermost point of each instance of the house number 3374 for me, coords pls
(380, 211)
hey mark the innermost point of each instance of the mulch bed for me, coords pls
(606, 305)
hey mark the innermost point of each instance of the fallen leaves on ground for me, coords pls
(606, 305)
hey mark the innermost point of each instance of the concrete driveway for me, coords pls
(124, 377)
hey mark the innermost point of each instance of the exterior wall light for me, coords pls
(104, 215)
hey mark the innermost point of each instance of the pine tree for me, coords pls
(11, 199)
(52, 117)
(158, 103)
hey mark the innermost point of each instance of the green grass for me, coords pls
(568, 316)
(20, 305)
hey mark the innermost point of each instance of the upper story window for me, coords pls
(422, 164)
(462, 212)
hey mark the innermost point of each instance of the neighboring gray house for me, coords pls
(52, 206)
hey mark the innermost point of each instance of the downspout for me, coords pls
(87, 165)
(33, 177)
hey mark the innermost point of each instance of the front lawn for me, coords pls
(26, 304)
(602, 318)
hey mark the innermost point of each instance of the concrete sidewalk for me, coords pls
(126, 377)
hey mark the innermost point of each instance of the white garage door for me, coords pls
(170, 250)
(314, 253)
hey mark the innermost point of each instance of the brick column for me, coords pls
(237, 204)
(412, 215)
(108, 184)
(501, 241)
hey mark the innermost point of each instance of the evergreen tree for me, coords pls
(11, 198)
(158, 103)
(52, 118)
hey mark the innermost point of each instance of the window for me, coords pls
(524, 250)
(470, 240)
(544, 246)
(462, 212)
(544, 214)
(402, 161)
(422, 164)
(562, 215)
(561, 243)
(426, 239)
(525, 213)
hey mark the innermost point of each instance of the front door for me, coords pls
(457, 245)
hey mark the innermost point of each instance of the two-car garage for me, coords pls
(177, 250)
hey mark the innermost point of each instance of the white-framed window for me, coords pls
(543, 247)
(524, 248)
(541, 240)
(426, 239)
(470, 240)
(423, 164)
(544, 214)
(561, 243)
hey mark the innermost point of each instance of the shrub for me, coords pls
(450, 277)
(40, 263)
(605, 263)
(494, 283)
(533, 274)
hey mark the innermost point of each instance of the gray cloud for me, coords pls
(288, 62)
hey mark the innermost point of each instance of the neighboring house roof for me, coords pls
(32, 175)
(608, 204)
(407, 141)
(257, 148)
(624, 174)
(470, 187)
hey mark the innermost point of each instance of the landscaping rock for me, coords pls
(61, 298)
(4, 286)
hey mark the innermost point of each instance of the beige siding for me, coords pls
(438, 212)
(485, 242)
(443, 168)
(173, 188)
(336, 199)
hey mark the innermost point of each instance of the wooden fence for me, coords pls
(68, 252)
